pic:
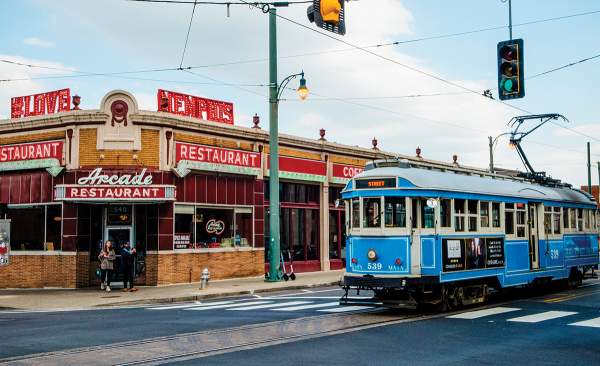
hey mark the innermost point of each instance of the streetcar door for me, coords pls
(533, 237)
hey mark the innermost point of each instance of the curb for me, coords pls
(166, 300)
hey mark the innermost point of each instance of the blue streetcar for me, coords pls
(447, 236)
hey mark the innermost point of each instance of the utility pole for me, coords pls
(589, 164)
(492, 154)
(274, 242)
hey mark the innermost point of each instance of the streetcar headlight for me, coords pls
(372, 255)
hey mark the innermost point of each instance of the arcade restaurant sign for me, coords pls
(126, 187)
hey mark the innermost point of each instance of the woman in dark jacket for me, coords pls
(107, 257)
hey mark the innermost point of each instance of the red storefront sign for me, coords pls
(346, 171)
(216, 155)
(304, 166)
(197, 107)
(125, 187)
(32, 151)
(39, 104)
(112, 192)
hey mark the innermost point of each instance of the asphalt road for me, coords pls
(305, 327)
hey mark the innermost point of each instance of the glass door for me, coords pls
(533, 236)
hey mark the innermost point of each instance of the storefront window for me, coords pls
(243, 227)
(35, 228)
(212, 227)
(53, 227)
(300, 233)
(184, 231)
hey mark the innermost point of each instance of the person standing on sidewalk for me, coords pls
(128, 255)
(107, 258)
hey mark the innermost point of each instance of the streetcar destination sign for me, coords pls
(375, 183)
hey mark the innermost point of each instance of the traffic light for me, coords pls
(328, 14)
(510, 69)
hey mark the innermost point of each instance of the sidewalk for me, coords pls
(67, 299)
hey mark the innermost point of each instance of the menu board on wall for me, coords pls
(472, 253)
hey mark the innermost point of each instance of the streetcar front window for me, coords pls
(372, 212)
(395, 212)
(356, 213)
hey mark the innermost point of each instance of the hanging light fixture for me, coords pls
(302, 89)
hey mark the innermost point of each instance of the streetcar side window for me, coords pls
(556, 226)
(496, 214)
(573, 217)
(580, 219)
(459, 214)
(586, 219)
(472, 208)
(484, 212)
(548, 220)
(395, 212)
(355, 213)
(521, 212)
(445, 212)
(372, 212)
(509, 218)
(565, 220)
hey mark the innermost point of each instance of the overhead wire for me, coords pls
(187, 37)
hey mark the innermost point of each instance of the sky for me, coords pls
(355, 95)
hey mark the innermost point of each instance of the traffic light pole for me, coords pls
(274, 241)
(510, 19)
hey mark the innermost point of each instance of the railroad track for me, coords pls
(160, 350)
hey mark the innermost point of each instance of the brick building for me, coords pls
(188, 190)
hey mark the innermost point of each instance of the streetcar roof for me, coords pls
(450, 181)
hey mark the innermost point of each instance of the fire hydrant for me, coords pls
(204, 278)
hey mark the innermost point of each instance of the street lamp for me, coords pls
(275, 91)
(493, 145)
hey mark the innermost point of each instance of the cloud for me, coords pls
(27, 86)
(34, 41)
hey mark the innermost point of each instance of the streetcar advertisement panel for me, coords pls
(460, 254)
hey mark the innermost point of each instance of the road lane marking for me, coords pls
(343, 309)
(267, 306)
(540, 317)
(571, 297)
(180, 306)
(481, 313)
(594, 323)
(312, 306)
(226, 306)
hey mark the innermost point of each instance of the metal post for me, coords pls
(589, 169)
(491, 155)
(510, 19)
(274, 243)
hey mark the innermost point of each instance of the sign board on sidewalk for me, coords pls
(4, 242)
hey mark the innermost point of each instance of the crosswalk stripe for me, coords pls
(594, 323)
(226, 306)
(540, 317)
(267, 306)
(311, 306)
(481, 313)
(171, 307)
(343, 309)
